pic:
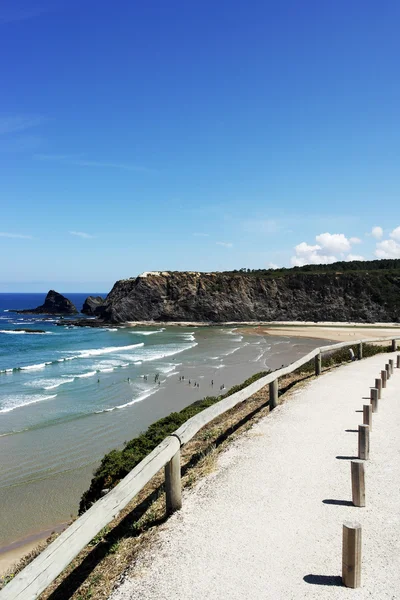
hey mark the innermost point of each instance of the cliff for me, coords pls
(90, 305)
(236, 296)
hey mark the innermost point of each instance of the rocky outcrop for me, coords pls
(219, 297)
(91, 304)
(54, 304)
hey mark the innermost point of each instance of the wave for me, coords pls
(37, 367)
(150, 354)
(148, 332)
(107, 350)
(49, 384)
(111, 329)
(84, 375)
(10, 331)
(134, 401)
(29, 400)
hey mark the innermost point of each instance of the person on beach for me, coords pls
(212, 382)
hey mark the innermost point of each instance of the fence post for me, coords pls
(387, 368)
(398, 361)
(367, 415)
(363, 442)
(173, 486)
(391, 365)
(378, 385)
(358, 483)
(394, 345)
(318, 362)
(360, 351)
(351, 555)
(384, 378)
(273, 394)
(374, 400)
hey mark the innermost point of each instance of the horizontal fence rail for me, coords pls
(44, 569)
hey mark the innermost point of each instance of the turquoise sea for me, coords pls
(70, 394)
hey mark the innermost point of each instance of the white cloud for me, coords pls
(334, 242)
(79, 161)
(82, 234)
(387, 249)
(272, 265)
(377, 232)
(224, 244)
(15, 235)
(354, 257)
(330, 248)
(395, 235)
(18, 123)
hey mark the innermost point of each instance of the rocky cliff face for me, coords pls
(90, 305)
(219, 297)
(54, 304)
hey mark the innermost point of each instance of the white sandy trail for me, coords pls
(254, 529)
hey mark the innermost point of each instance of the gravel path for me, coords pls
(258, 528)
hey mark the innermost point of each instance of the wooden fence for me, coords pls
(44, 569)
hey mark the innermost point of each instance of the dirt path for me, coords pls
(268, 523)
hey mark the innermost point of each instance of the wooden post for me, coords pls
(367, 415)
(398, 361)
(360, 351)
(351, 555)
(318, 363)
(394, 345)
(363, 442)
(384, 378)
(378, 385)
(391, 365)
(374, 400)
(358, 483)
(273, 394)
(173, 486)
(387, 368)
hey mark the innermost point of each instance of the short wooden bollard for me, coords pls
(391, 365)
(378, 385)
(358, 483)
(351, 555)
(318, 363)
(173, 485)
(387, 369)
(398, 361)
(394, 345)
(273, 394)
(363, 442)
(374, 400)
(367, 415)
(360, 351)
(384, 379)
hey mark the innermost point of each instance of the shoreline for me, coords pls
(335, 332)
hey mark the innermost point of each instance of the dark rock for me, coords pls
(29, 330)
(364, 296)
(55, 304)
(82, 323)
(90, 305)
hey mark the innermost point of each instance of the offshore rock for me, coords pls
(55, 304)
(90, 305)
(219, 297)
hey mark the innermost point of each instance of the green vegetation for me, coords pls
(117, 463)
(384, 265)
(338, 357)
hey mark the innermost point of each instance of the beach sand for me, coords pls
(340, 332)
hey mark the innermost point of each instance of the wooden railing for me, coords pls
(42, 571)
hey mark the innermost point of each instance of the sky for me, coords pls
(180, 135)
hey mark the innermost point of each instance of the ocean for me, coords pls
(71, 394)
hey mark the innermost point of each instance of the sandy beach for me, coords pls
(340, 332)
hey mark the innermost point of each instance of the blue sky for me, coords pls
(220, 134)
